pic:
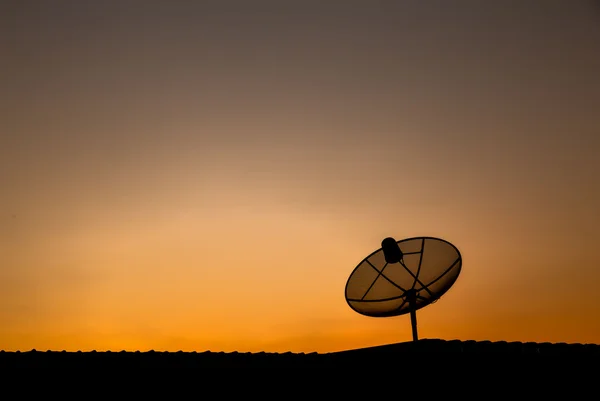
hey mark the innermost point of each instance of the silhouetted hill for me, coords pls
(431, 349)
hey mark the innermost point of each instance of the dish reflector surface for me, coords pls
(429, 267)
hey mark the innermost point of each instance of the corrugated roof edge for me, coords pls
(423, 345)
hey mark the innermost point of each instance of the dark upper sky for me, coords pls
(160, 120)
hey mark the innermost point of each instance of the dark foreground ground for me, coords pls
(426, 351)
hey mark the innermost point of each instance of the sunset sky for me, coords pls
(180, 175)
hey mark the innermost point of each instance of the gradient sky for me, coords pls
(206, 175)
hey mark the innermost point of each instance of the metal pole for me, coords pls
(413, 314)
(413, 323)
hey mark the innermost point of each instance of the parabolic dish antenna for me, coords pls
(402, 277)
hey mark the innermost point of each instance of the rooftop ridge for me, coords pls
(426, 344)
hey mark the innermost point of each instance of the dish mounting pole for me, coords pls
(412, 302)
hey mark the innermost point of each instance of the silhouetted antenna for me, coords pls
(403, 276)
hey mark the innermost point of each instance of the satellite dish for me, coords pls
(402, 277)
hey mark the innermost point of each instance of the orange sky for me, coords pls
(179, 176)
